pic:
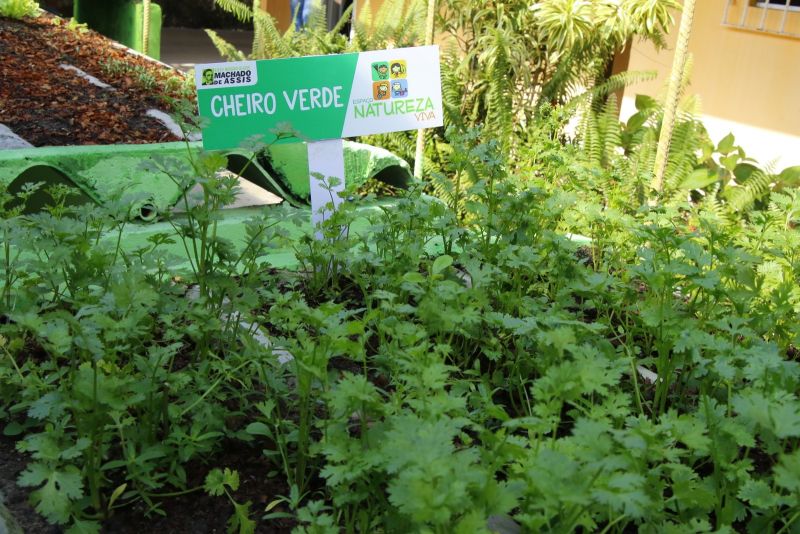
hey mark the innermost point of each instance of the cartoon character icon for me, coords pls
(397, 69)
(399, 88)
(380, 91)
(380, 71)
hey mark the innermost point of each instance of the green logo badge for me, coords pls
(380, 71)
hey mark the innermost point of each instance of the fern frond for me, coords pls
(347, 14)
(259, 48)
(238, 9)
(225, 49)
(318, 18)
(712, 207)
(643, 159)
(612, 84)
(742, 196)
(691, 106)
(452, 94)
(409, 28)
(601, 133)
(499, 96)
(611, 130)
(590, 137)
(556, 86)
(389, 12)
(268, 43)
(682, 159)
(364, 14)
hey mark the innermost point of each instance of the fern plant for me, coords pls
(602, 133)
(237, 8)
(18, 9)
(720, 177)
(513, 56)
(395, 24)
(501, 61)
(748, 186)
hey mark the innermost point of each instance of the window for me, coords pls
(778, 4)
(780, 17)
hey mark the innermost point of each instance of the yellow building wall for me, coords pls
(742, 76)
(280, 10)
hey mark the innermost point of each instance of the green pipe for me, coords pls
(134, 23)
(103, 172)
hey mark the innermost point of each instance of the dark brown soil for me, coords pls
(16, 498)
(49, 106)
(194, 513)
(198, 513)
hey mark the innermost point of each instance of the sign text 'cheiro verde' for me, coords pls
(320, 97)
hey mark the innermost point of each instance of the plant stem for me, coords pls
(145, 26)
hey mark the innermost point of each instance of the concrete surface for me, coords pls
(88, 77)
(9, 140)
(183, 48)
(250, 195)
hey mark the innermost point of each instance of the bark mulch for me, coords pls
(49, 106)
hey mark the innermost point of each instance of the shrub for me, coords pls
(17, 9)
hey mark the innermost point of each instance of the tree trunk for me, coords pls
(673, 95)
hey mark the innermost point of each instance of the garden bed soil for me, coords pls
(200, 513)
(195, 513)
(49, 106)
(15, 498)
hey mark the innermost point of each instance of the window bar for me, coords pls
(785, 13)
(764, 10)
(763, 22)
(744, 13)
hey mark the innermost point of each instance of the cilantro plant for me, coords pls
(535, 350)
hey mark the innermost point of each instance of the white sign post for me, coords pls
(325, 99)
(325, 161)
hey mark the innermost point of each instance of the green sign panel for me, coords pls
(320, 97)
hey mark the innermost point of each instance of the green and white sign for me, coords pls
(320, 97)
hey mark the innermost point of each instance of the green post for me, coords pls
(123, 21)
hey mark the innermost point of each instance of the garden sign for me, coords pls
(322, 99)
